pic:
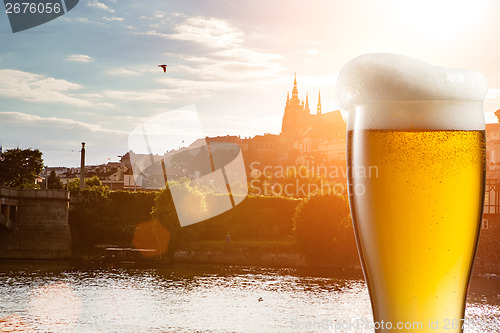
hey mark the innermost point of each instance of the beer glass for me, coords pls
(416, 186)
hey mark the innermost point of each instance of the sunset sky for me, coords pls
(91, 75)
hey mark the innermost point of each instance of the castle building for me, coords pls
(306, 139)
(320, 133)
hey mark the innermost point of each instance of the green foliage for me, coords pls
(324, 230)
(255, 218)
(321, 225)
(125, 211)
(106, 217)
(164, 210)
(297, 182)
(94, 181)
(54, 182)
(74, 185)
(19, 168)
(193, 201)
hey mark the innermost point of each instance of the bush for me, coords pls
(74, 185)
(106, 217)
(323, 230)
(255, 218)
(164, 211)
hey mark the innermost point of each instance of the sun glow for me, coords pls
(442, 18)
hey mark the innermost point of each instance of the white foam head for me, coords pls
(399, 92)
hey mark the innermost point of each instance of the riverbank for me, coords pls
(278, 253)
(270, 254)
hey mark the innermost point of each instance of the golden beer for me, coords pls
(417, 218)
(417, 222)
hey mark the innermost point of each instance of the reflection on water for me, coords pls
(199, 298)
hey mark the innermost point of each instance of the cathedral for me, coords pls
(304, 136)
(323, 132)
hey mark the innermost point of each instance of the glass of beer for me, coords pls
(416, 176)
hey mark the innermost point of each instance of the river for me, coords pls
(63, 297)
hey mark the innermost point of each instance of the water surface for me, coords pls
(62, 297)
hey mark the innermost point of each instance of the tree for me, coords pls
(89, 221)
(324, 231)
(94, 181)
(110, 218)
(193, 202)
(19, 168)
(54, 182)
(74, 185)
(164, 211)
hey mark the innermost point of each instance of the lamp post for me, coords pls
(82, 167)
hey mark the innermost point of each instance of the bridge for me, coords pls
(34, 224)
(8, 207)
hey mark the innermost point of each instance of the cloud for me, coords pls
(122, 71)
(197, 87)
(246, 55)
(114, 18)
(100, 5)
(79, 58)
(38, 88)
(59, 138)
(227, 59)
(238, 67)
(176, 90)
(159, 14)
(244, 126)
(230, 72)
(24, 119)
(84, 20)
(211, 32)
(105, 105)
(150, 96)
(225, 64)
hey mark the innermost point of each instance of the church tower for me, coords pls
(294, 111)
(295, 91)
(318, 110)
(306, 107)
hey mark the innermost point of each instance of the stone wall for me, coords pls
(261, 255)
(41, 229)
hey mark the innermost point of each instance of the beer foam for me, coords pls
(405, 87)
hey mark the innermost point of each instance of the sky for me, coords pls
(91, 75)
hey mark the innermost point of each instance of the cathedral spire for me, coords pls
(307, 104)
(318, 110)
(295, 91)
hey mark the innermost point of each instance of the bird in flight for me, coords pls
(164, 68)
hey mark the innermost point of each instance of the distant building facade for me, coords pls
(320, 134)
(305, 137)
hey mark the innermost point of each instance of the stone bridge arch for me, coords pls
(34, 224)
